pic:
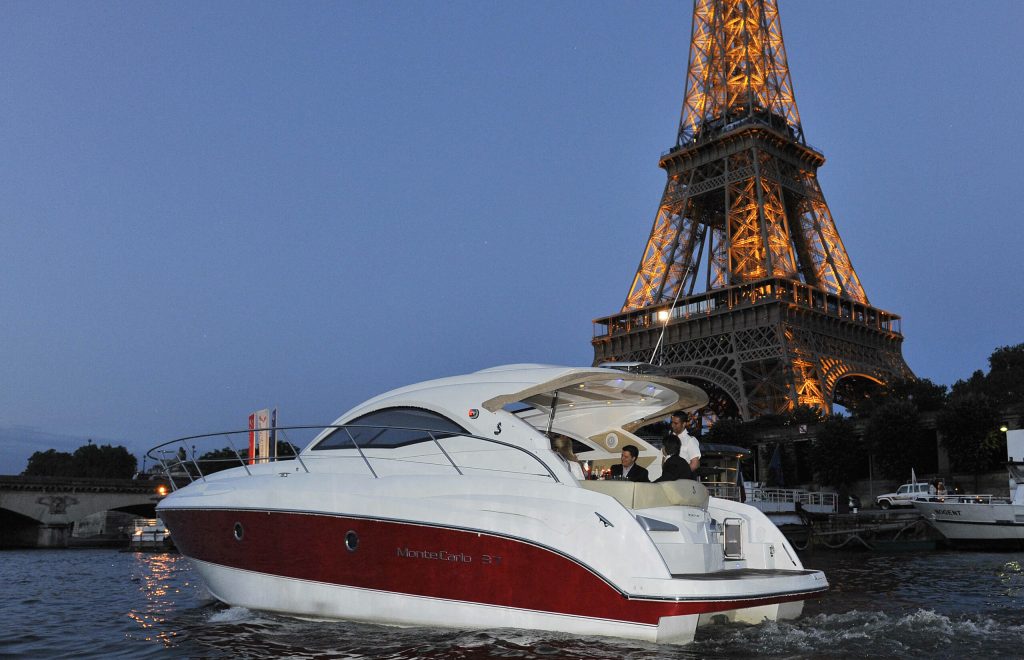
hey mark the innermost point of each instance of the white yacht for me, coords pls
(442, 504)
(983, 519)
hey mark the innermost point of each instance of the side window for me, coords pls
(391, 427)
(578, 447)
(902, 489)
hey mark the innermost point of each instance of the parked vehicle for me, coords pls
(905, 495)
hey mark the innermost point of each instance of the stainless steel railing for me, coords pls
(183, 460)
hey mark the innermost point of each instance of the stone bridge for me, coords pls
(41, 511)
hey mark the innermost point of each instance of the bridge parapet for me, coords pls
(80, 484)
(40, 511)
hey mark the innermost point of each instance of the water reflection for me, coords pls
(1011, 577)
(155, 574)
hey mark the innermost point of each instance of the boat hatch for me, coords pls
(629, 399)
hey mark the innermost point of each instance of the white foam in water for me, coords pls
(231, 615)
(874, 633)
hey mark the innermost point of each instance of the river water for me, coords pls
(105, 603)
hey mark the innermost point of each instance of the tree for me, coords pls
(104, 462)
(923, 393)
(895, 438)
(969, 427)
(286, 449)
(117, 462)
(804, 414)
(50, 463)
(837, 451)
(219, 459)
(1006, 374)
(730, 431)
(89, 460)
(1004, 383)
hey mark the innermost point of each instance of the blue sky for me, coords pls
(209, 208)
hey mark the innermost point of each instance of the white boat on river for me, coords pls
(983, 519)
(442, 504)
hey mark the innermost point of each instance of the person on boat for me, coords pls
(689, 448)
(628, 469)
(673, 466)
(940, 488)
(562, 447)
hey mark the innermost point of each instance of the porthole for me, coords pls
(239, 531)
(351, 541)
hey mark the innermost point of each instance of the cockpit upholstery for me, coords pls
(634, 495)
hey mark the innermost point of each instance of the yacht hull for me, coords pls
(982, 524)
(414, 573)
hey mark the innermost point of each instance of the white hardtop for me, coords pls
(588, 401)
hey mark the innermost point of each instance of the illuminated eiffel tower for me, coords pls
(745, 286)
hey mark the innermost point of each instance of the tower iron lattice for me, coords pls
(744, 283)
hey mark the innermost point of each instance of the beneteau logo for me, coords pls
(440, 555)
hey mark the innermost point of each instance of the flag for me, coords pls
(913, 477)
(252, 438)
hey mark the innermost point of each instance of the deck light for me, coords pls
(161, 490)
(1003, 427)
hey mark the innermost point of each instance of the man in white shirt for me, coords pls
(689, 447)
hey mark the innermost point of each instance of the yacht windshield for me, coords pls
(391, 427)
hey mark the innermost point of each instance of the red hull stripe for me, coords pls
(420, 560)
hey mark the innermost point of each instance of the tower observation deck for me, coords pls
(745, 286)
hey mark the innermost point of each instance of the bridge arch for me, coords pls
(49, 507)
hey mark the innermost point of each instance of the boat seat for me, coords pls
(635, 495)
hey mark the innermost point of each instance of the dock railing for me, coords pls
(820, 500)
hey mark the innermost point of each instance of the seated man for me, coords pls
(629, 470)
(673, 466)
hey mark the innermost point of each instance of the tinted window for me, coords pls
(578, 447)
(377, 429)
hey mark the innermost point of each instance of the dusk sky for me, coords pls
(210, 208)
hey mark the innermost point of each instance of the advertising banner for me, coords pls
(261, 448)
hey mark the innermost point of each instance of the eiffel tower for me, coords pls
(745, 286)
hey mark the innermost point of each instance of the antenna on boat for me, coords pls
(664, 326)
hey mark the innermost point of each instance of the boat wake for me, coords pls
(921, 633)
(233, 615)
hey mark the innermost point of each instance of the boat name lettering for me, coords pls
(439, 555)
(947, 512)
